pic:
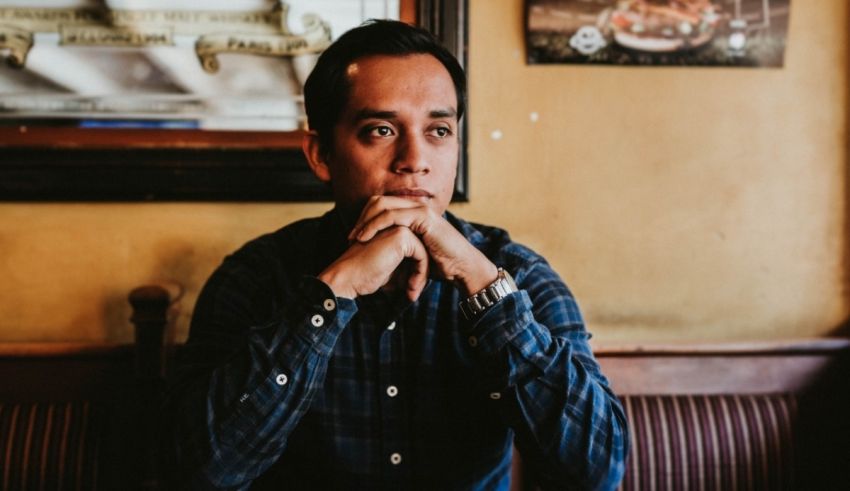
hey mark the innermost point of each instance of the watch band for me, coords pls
(479, 302)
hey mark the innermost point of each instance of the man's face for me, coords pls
(398, 135)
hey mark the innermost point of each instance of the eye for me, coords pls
(441, 132)
(381, 131)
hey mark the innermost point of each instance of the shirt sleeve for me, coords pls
(243, 382)
(569, 426)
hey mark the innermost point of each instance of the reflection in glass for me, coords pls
(234, 65)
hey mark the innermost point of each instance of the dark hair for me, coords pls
(327, 88)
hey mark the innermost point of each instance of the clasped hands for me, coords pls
(398, 241)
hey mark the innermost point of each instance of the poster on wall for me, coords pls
(749, 33)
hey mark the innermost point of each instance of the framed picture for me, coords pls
(169, 101)
(749, 33)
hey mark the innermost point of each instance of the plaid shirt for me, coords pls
(283, 385)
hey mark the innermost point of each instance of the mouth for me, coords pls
(410, 193)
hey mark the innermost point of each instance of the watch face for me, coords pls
(510, 280)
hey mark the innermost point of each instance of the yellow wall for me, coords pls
(680, 204)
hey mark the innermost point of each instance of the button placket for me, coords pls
(394, 422)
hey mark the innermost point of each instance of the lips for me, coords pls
(411, 193)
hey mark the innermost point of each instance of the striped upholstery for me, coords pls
(48, 445)
(710, 442)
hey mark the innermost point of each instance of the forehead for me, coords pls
(398, 82)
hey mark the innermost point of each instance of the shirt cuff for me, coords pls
(322, 315)
(512, 316)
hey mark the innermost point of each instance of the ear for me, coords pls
(315, 156)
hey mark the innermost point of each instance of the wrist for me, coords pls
(337, 283)
(479, 276)
(479, 302)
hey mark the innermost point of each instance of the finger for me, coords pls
(369, 204)
(415, 219)
(377, 205)
(419, 271)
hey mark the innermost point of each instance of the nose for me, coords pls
(411, 155)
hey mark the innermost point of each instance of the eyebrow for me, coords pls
(378, 114)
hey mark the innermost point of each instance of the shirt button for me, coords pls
(391, 326)
(495, 396)
(317, 320)
(392, 391)
(329, 304)
(473, 341)
(395, 459)
(281, 379)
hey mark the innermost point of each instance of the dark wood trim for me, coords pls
(157, 174)
(738, 348)
(45, 370)
(104, 138)
(732, 368)
(447, 19)
(152, 306)
(407, 11)
(13, 350)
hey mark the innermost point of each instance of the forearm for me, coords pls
(568, 424)
(239, 412)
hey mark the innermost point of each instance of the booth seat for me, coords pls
(81, 416)
(766, 415)
(744, 416)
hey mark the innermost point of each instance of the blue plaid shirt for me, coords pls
(282, 385)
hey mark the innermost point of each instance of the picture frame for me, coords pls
(657, 33)
(49, 164)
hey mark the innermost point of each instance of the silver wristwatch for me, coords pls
(478, 303)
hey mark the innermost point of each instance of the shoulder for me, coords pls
(269, 263)
(260, 273)
(290, 241)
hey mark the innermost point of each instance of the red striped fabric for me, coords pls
(710, 442)
(48, 446)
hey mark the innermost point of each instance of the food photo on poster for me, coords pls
(748, 33)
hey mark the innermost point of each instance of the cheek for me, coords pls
(449, 157)
(358, 178)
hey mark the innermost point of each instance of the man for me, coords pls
(355, 350)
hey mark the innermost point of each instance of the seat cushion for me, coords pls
(48, 445)
(710, 442)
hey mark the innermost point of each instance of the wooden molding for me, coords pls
(76, 349)
(745, 368)
(762, 347)
(107, 138)
(721, 368)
